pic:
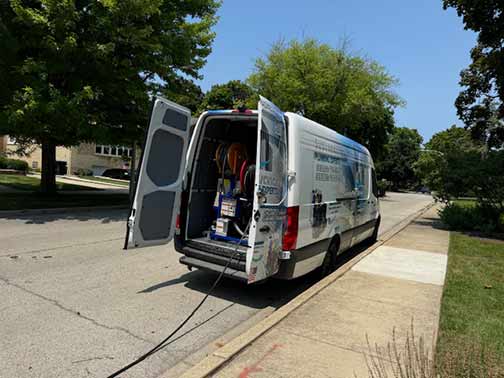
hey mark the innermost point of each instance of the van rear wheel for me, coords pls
(374, 237)
(329, 264)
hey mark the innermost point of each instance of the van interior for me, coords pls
(222, 183)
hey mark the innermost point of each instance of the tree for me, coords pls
(231, 95)
(350, 94)
(452, 139)
(184, 92)
(85, 69)
(432, 166)
(401, 153)
(454, 165)
(481, 104)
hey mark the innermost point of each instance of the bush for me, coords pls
(383, 186)
(18, 165)
(84, 172)
(472, 218)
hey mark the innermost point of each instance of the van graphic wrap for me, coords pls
(271, 192)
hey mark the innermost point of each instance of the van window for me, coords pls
(265, 151)
(362, 181)
(273, 155)
(374, 183)
(348, 179)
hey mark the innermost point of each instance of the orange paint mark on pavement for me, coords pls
(255, 367)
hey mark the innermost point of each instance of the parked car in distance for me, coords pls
(117, 173)
(423, 190)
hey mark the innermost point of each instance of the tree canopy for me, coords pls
(184, 92)
(231, 95)
(350, 94)
(78, 71)
(454, 165)
(481, 103)
(401, 153)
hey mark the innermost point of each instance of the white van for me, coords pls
(280, 193)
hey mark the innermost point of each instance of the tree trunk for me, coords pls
(132, 173)
(48, 181)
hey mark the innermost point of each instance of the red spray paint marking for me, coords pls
(255, 367)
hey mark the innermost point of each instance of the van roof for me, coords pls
(327, 133)
(228, 111)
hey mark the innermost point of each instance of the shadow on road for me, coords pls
(103, 216)
(271, 292)
(432, 222)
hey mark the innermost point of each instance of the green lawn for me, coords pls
(33, 183)
(105, 180)
(34, 200)
(471, 334)
(465, 202)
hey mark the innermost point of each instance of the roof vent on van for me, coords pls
(242, 109)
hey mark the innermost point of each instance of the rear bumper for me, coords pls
(211, 261)
(205, 265)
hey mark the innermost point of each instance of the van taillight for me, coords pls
(291, 233)
(177, 225)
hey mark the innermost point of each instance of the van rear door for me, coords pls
(270, 195)
(157, 195)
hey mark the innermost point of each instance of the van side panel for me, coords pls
(332, 188)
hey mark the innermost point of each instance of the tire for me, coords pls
(329, 264)
(374, 238)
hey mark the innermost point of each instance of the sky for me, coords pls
(422, 45)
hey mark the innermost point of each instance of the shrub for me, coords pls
(409, 359)
(413, 358)
(383, 186)
(471, 218)
(84, 172)
(16, 164)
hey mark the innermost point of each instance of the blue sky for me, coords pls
(418, 42)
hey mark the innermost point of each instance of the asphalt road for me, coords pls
(73, 304)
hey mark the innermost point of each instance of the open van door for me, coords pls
(157, 195)
(270, 193)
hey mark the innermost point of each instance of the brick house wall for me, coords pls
(84, 157)
(34, 158)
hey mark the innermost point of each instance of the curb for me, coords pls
(60, 210)
(221, 356)
(100, 183)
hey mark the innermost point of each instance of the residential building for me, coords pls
(86, 158)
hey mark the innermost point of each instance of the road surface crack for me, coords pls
(33, 251)
(93, 359)
(73, 312)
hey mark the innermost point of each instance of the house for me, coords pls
(86, 158)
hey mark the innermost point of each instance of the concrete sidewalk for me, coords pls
(110, 188)
(399, 283)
